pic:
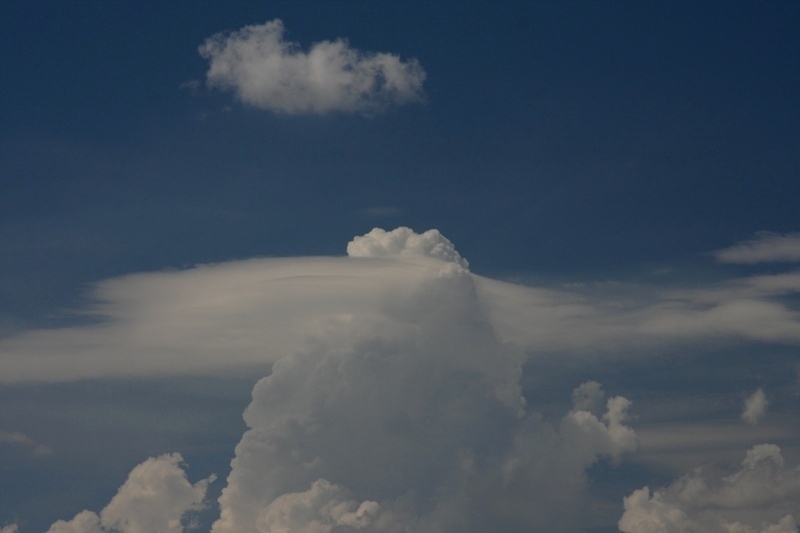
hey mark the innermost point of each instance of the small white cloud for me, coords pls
(765, 247)
(762, 497)
(156, 497)
(754, 407)
(403, 241)
(266, 71)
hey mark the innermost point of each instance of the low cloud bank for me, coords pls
(268, 72)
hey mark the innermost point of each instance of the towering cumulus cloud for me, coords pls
(392, 399)
(268, 72)
(409, 418)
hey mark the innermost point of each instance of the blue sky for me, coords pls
(590, 156)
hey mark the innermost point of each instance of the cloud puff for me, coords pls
(754, 407)
(268, 72)
(763, 496)
(156, 497)
(404, 242)
(765, 247)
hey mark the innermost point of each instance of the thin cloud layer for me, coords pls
(765, 247)
(762, 497)
(268, 72)
(234, 316)
(156, 497)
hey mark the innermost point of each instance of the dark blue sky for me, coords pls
(555, 138)
(564, 145)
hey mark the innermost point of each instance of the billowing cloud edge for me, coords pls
(763, 496)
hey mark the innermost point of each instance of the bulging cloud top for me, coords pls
(404, 241)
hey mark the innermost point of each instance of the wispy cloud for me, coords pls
(233, 316)
(266, 71)
(764, 247)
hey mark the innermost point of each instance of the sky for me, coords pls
(327, 267)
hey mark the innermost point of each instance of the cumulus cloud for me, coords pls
(266, 71)
(410, 418)
(157, 496)
(392, 398)
(754, 407)
(762, 497)
(764, 247)
(404, 242)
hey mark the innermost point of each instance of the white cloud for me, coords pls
(156, 497)
(765, 247)
(763, 496)
(404, 242)
(394, 399)
(266, 71)
(754, 407)
(234, 316)
(410, 418)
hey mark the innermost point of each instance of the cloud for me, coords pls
(266, 71)
(754, 407)
(156, 497)
(763, 496)
(764, 247)
(236, 316)
(404, 242)
(392, 397)
(15, 437)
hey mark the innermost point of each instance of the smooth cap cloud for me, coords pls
(268, 72)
